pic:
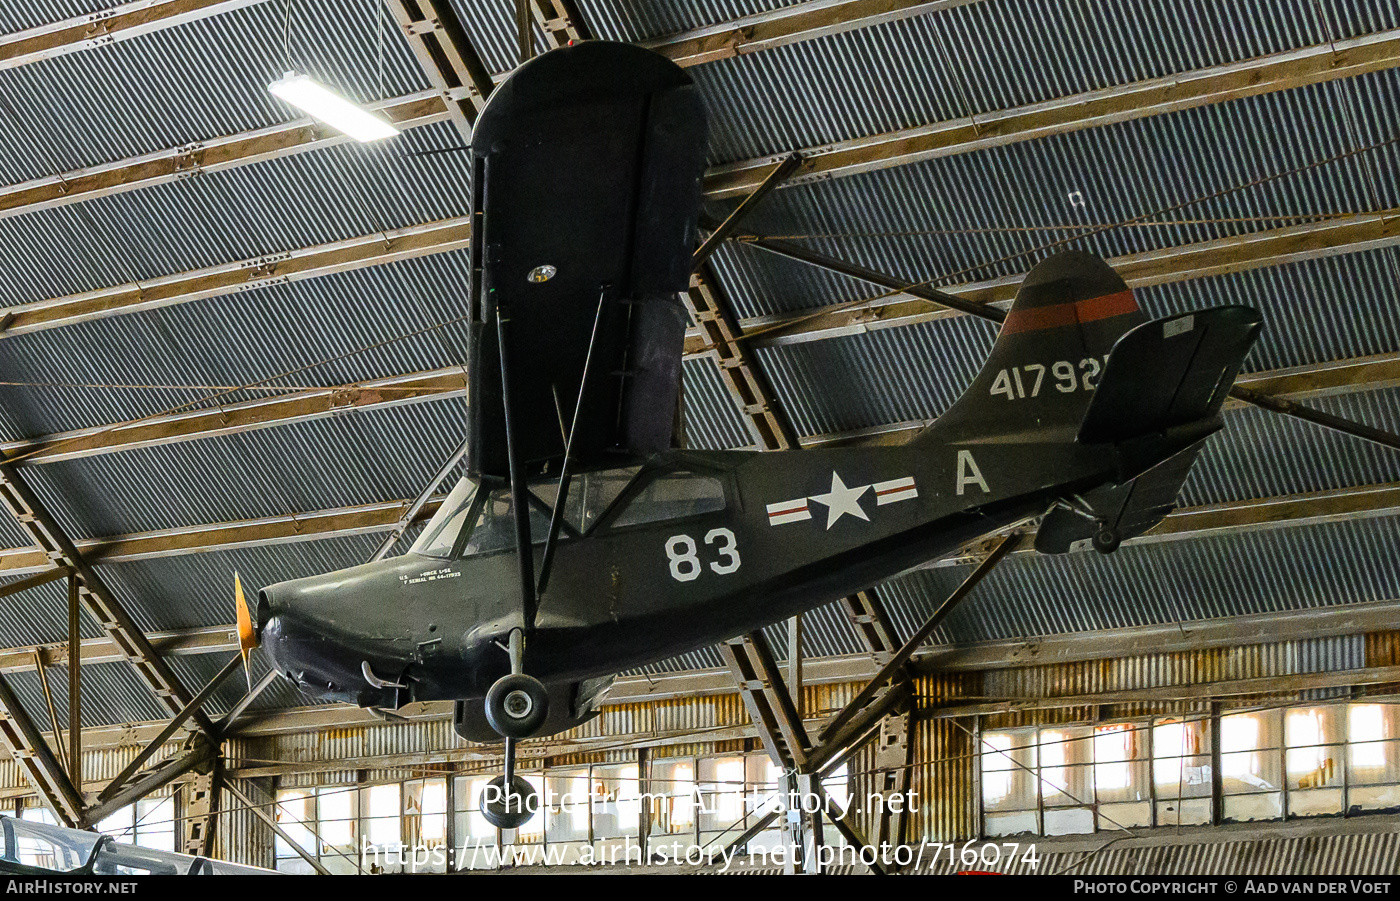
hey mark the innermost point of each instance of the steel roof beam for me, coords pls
(1189, 522)
(107, 26)
(1233, 631)
(1222, 256)
(56, 549)
(301, 406)
(375, 249)
(182, 642)
(789, 25)
(446, 56)
(1093, 109)
(1318, 380)
(204, 157)
(336, 523)
(37, 760)
(1276, 72)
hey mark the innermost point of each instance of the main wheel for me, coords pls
(517, 705)
(509, 811)
(1106, 540)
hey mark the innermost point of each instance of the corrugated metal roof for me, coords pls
(239, 339)
(988, 214)
(319, 464)
(176, 86)
(987, 56)
(931, 219)
(299, 201)
(1234, 574)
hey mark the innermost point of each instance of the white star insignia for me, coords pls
(841, 500)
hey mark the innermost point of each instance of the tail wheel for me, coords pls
(1106, 540)
(509, 810)
(516, 706)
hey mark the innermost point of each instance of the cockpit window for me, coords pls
(492, 524)
(590, 495)
(440, 535)
(672, 495)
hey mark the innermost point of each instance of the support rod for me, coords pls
(43, 672)
(840, 267)
(848, 831)
(228, 722)
(166, 772)
(1317, 417)
(752, 832)
(900, 657)
(519, 507)
(410, 512)
(171, 728)
(37, 760)
(272, 824)
(75, 682)
(780, 174)
(561, 495)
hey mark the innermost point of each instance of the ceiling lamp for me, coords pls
(325, 105)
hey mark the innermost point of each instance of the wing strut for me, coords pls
(556, 517)
(519, 502)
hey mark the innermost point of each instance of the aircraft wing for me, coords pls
(587, 167)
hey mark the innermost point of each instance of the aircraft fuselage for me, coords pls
(798, 529)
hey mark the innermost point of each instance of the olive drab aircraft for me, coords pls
(582, 544)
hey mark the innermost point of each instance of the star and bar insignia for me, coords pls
(842, 500)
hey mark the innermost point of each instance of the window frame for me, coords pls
(645, 476)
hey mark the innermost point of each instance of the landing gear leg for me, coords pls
(1106, 538)
(516, 706)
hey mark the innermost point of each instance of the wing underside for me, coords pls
(585, 200)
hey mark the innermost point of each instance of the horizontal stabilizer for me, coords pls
(1129, 509)
(1169, 374)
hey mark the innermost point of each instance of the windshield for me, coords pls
(440, 535)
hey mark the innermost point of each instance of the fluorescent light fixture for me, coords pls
(321, 103)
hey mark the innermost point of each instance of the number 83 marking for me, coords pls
(685, 561)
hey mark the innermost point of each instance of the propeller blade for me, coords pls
(247, 635)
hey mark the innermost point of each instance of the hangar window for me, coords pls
(1250, 763)
(1274, 764)
(1066, 780)
(1373, 764)
(149, 823)
(1181, 779)
(425, 818)
(673, 797)
(672, 495)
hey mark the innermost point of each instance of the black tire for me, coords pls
(509, 811)
(1106, 540)
(516, 706)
